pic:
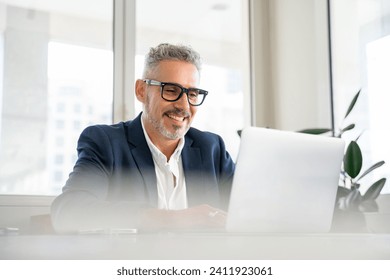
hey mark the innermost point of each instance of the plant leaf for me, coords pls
(353, 160)
(375, 166)
(353, 102)
(373, 192)
(349, 127)
(315, 130)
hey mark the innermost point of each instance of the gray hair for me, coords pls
(170, 52)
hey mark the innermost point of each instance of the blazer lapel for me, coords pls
(143, 158)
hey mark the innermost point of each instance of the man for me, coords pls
(155, 171)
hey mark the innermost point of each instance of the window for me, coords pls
(361, 60)
(56, 62)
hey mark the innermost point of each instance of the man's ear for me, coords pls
(140, 90)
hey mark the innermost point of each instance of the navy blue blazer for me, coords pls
(115, 173)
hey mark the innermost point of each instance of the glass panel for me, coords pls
(56, 62)
(361, 60)
(220, 36)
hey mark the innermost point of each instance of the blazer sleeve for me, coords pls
(83, 203)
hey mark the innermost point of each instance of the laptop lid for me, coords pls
(284, 182)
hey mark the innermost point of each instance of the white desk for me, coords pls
(196, 246)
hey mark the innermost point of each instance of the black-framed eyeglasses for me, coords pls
(172, 92)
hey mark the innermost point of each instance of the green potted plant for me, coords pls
(350, 202)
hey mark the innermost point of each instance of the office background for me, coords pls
(285, 64)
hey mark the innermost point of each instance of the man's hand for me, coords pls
(198, 217)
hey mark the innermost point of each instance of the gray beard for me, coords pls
(177, 134)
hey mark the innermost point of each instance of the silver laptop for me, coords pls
(284, 182)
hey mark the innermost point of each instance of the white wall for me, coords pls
(291, 70)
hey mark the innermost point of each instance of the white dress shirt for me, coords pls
(171, 185)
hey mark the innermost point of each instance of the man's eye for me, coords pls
(193, 95)
(171, 89)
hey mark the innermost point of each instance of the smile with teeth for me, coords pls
(176, 118)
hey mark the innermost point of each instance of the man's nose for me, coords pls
(182, 102)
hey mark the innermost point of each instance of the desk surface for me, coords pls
(196, 246)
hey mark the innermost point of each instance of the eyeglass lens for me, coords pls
(172, 92)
